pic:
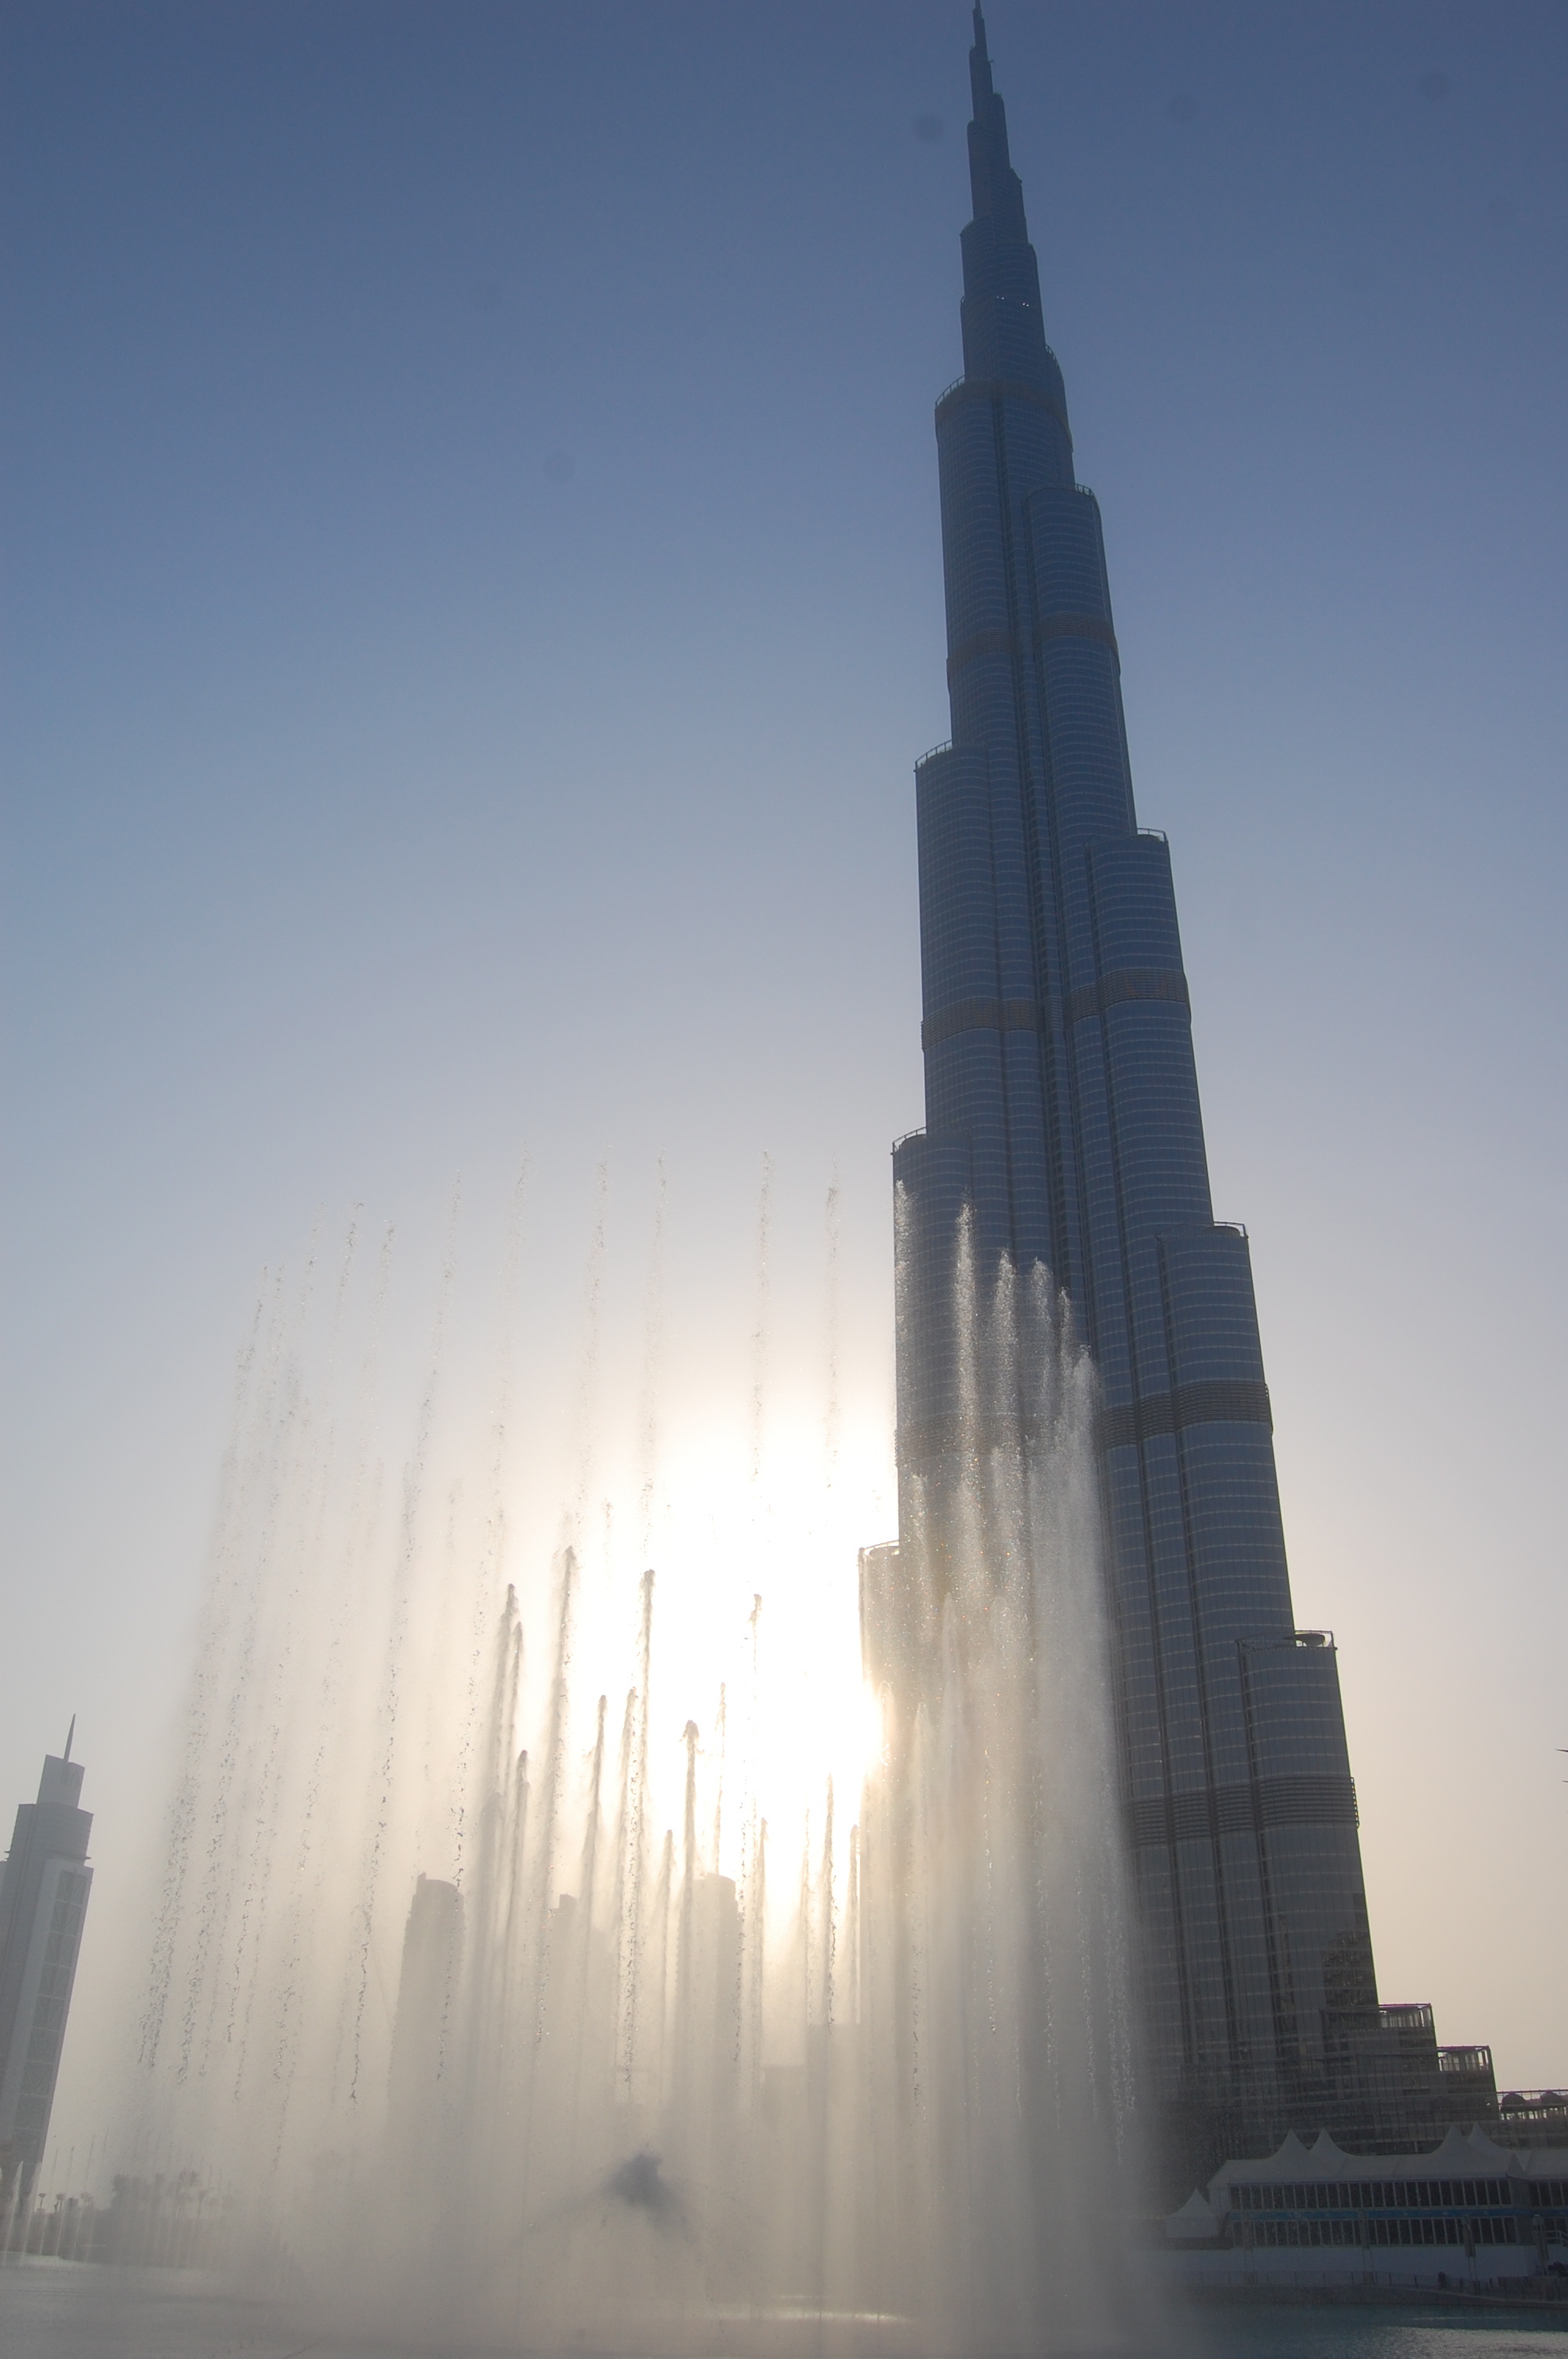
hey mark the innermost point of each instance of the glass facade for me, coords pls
(1373, 2212)
(1063, 1116)
(44, 1885)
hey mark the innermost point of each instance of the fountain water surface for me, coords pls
(498, 1999)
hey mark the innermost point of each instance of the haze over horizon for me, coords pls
(476, 603)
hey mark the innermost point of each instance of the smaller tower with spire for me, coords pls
(44, 1885)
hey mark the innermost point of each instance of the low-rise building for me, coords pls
(1469, 2214)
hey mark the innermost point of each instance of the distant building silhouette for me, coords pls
(426, 1994)
(1063, 1131)
(44, 1885)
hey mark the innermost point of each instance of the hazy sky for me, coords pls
(474, 601)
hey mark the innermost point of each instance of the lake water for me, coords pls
(51, 2309)
(1326, 2331)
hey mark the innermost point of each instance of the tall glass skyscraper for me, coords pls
(44, 1884)
(1062, 1112)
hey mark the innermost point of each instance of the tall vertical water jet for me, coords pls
(995, 1953)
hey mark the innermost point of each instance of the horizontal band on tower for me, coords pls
(1077, 626)
(1219, 1401)
(1222, 1400)
(1113, 990)
(938, 1437)
(982, 643)
(1326, 1800)
(1125, 982)
(983, 1016)
(1001, 389)
(1050, 627)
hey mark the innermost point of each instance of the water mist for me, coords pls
(495, 2003)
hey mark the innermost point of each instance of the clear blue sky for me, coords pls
(474, 602)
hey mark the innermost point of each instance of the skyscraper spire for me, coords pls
(980, 65)
(1001, 281)
(996, 188)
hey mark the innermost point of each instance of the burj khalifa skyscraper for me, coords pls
(1064, 1128)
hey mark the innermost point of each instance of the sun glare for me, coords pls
(755, 1624)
